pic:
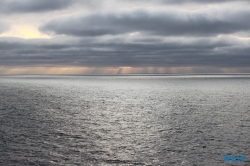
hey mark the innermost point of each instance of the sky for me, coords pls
(124, 36)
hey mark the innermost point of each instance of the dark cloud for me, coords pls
(4, 26)
(26, 6)
(165, 23)
(226, 52)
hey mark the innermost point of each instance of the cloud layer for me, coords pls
(27, 6)
(165, 23)
(119, 52)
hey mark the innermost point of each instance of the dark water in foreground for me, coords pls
(124, 120)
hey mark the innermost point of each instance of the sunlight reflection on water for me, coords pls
(123, 120)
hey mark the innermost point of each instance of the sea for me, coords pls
(158, 120)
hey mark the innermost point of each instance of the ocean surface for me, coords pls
(124, 120)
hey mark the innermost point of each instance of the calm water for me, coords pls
(124, 120)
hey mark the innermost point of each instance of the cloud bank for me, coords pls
(119, 52)
(164, 23)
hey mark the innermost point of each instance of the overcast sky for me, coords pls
(124, 36)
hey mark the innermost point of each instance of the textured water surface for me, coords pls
(124, 120)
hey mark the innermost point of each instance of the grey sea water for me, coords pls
(124, 120)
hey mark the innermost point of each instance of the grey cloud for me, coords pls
(163, 38)
(26, 6)
(226, 52)
(186, 1)
(166, 23)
